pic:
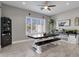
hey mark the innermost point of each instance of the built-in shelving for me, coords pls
(6, 31)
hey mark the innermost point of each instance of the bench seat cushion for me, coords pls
(46, 41)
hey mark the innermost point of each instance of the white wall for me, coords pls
(18, 17)
(71, 14)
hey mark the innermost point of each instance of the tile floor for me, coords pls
(24, 49)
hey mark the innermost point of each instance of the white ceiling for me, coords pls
(61, 6)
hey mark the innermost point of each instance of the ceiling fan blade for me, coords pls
(51, 5)
(42, 8)
(41, 5)
(49, 9)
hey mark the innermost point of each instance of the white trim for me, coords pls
(15, 42)
(0, 46)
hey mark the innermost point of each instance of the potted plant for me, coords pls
(51, 24)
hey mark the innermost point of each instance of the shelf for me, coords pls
(6, 36)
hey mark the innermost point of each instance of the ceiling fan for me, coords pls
(46, 6)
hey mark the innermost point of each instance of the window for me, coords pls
(35, 25)
(28, 23)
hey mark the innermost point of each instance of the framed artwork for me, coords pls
(66, 22)
(76, 21)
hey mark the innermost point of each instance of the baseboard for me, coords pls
(15, 42)
(0, 46)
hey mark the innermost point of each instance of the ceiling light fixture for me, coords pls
(45, 7)
(24, 3)
(67, 3)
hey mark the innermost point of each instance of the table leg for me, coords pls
(39, 49)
